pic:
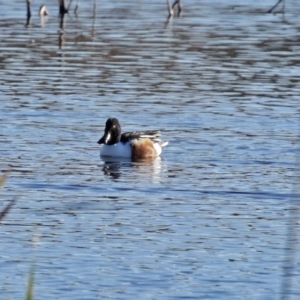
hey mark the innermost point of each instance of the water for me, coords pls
(206, 221)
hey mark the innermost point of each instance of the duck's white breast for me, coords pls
(117, 150)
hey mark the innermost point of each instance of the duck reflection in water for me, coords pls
(114, 167)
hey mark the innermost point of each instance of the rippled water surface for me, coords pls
(208, 220)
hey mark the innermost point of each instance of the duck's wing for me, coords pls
(153, 135)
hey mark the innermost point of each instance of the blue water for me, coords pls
(207, 220)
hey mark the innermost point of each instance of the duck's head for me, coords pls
(112, 132)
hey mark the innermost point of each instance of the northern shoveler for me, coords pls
(139, 144)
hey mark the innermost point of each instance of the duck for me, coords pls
(135, 145)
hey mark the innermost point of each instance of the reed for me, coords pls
(30, 284)
(3, 213)
(277, 3)
(8, 207)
